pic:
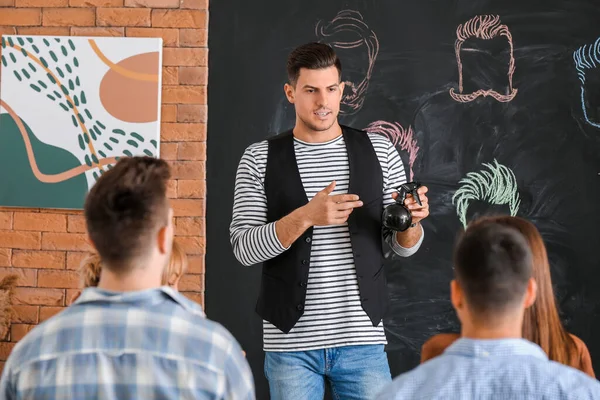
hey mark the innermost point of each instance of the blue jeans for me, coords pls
(354, 372)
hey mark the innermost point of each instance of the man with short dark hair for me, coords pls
(308, 204)
(129, 338)
(492, 288)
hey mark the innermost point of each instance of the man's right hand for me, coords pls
(325, 209)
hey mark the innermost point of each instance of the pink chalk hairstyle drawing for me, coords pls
(483, 27)
(348, 33)
(401, 138)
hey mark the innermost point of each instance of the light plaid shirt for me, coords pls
(152, 344)
(513, 369)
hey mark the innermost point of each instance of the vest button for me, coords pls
(302, 284)
(308, 240)
(364, 299)
(360, 277)
(304, 262)
(357, 256)
(299, 307)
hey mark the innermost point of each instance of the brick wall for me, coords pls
(44, 247)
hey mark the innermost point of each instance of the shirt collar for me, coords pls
(142, 297)
(480, 348)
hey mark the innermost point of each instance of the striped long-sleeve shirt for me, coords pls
(333, 314)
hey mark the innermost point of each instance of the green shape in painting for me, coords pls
(21, 187)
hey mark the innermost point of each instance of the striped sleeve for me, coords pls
(252, 238)
(394, 175)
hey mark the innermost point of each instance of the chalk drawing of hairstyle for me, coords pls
(587, 57)
(483, 27)
(497, 186)
(348, 31)
(401, 138)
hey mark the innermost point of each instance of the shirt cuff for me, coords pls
(403, 251)
(272, 232)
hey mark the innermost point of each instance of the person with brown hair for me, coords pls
(308, 203)
(130, 337)
(493, 285)
(541, 322)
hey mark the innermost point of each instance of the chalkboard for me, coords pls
(494, 105)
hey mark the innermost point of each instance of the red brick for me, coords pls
(21, 240)
(168, 113)
(6, 220)
(192, 113)
(179, 19)
(122, 17)
(192, 283)
(27, 277)
(184, 95)
(39, 296)
(72, 295)
(193, 37)
(103, 31)
(195, 296)
(5, 256)
(58, 279)
(191, 189)
(192, 244)
(41, 3)
(195, 4)
(7, 30)
(196, 264)
(193, 75)
(172, 189)
(170, 75)
(168, 151)
(7, 3)
(152, 3)
(190, 57)
(65, 241)
(21, 16)
(188, 170)
(38, 259)
(76, 224)
(74, 259)
(192, 151)
(183, 132)
(40, 222)
(189, 226)
(18, 331)
(44, 31)
(96, 3)
(25, 314)
(170, 37)
(5, 349)
(68, 17)
(188, 207)
(49, 312)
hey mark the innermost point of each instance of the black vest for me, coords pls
(284, 278)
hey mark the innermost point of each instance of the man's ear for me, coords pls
(457, 296)
(530, 293)
(290, 92)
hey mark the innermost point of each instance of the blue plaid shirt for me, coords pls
(152, 344)
(492, 369)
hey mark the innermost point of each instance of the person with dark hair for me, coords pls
(494, 284)
(129, 338)
(308, 204)
(541, 322)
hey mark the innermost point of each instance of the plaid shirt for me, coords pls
(492, 369)
(152, 344)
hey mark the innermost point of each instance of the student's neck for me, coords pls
(138, 279)
(304, 133)
(495, 331)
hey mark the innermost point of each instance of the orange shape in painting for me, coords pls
(130, 96)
